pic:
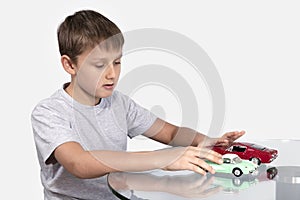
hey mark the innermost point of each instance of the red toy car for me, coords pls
(249, 151)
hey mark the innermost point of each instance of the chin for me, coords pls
(104, 94)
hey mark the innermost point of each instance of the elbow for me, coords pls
(79, 171)
(78, 162)
(83, 171)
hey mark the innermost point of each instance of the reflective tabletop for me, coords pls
(279, 179)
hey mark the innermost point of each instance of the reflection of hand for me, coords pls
(118, 180)
(192, 186)
(189, 186)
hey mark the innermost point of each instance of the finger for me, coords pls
(202, 152)
(200, 166)
(235, 134)
(211, 155)
(222, 142)
(204, 166)
(196, 168)
(192, 154)
(240, 134)
(228, 138)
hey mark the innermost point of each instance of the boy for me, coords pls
(80, 132)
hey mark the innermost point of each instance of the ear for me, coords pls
(67, 64)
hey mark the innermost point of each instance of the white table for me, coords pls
(183, 185)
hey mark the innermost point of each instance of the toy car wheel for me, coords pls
(255, 160)
(237, 172)
(237, 182)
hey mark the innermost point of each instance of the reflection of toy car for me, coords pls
(272, 172)
(249, 151)
(234, 185)
(232, 163)
(266, 173)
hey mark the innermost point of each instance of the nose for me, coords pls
(110, 72)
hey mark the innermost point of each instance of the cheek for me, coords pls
(118, 72)
(89, 79)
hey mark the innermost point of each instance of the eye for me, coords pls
(99, 66)
(117, 62)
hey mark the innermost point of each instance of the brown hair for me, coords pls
(84, 30)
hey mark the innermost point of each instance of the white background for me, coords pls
(253, 44)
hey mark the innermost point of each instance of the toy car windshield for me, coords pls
(256, 146)
(237, 160)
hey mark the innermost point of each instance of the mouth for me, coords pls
(109, 86)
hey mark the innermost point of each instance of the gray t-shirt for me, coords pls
(60, 119)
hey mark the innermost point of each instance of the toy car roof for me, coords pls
(249, 144)
(230, 155)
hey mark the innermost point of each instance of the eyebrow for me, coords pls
(119, 56)
(104, 59)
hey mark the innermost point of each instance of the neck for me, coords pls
(81, 96)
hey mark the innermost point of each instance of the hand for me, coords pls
(188, 158)
(225, 140)
(228, 138)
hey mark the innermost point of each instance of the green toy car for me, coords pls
(232, 163)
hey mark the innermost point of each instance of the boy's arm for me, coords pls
(92, 164)
(170, 134)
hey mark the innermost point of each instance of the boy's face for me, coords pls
(97, 74)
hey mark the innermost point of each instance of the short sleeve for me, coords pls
(51, 128)
(139, 119)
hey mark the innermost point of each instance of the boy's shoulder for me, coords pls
(56, 101)
(118, 96)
